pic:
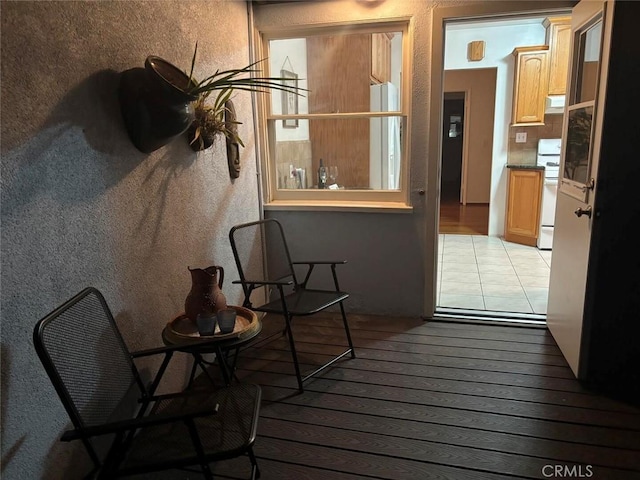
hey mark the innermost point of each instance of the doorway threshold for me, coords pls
(462, 315)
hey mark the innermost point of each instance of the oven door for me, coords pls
(548, 208)
(547, 213)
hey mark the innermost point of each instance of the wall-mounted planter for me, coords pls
(155, 107)
(204, 140)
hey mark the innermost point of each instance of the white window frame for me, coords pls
(327, 199)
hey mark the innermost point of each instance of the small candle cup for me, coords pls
(226, 320)
(206, 324)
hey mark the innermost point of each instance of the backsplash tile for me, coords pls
(525, 153)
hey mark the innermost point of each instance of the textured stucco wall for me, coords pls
(81, 206)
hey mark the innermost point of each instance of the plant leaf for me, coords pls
(193, 62)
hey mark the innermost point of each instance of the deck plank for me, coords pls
(429, 400)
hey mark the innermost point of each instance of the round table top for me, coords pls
(182, 330)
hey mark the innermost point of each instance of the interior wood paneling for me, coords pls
(339, 81)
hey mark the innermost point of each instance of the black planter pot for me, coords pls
(154, 104)
(202, 143)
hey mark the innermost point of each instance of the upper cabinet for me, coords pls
(381, 57)
(531, 84)
(559, 42)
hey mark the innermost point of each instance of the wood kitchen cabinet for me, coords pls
(559, 41)
(530, 84)
(381, 57)
(524, 196)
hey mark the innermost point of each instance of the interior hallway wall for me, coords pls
(81, 206)
(480, 87)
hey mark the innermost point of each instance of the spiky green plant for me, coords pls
(237, 79)
(210, 119)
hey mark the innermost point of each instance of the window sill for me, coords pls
(329, 206)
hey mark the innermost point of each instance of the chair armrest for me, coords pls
(169, 396)
(311, 266)
(152, 351)
(124, 425)
(339, 262)
(264, 282)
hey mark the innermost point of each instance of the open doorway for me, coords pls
(478, 273)
(452, 146)
(456, 216)
(467, 151)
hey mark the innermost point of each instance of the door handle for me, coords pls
(583, 211)
(590, 185)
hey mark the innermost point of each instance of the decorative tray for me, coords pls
(182, 329)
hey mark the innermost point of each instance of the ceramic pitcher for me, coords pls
(206, 294)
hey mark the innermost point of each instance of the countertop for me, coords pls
(526, 167)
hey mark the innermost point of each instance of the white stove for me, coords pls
(549, 158)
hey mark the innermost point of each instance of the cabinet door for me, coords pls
(559, 41)
(531, 83)
(380, 58)
(523, 206)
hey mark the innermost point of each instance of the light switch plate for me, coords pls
(521, 137)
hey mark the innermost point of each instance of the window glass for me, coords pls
(338, 71)
(344, 132)
(357, 154)
(588, 63)
(576, 163)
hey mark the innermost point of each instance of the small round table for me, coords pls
(181, 331)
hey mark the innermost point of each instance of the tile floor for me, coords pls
(487, 273)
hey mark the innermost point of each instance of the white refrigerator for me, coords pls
(384, 138)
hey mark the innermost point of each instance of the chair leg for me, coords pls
(346, 329)
(294, 354)
(192, 375)
(232, 364)
(255, 470)
(206, 472)
(195, 438)
(199, 361)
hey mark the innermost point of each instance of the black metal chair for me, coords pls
(125, 428)
(293, 298)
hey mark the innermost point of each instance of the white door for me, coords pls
(579, 165)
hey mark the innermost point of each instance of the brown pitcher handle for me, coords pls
(221, 277)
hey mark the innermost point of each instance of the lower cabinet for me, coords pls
(524, 196)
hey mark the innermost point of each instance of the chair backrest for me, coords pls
(87, 360)
(261, 243)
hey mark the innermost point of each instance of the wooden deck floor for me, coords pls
(427, 400)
